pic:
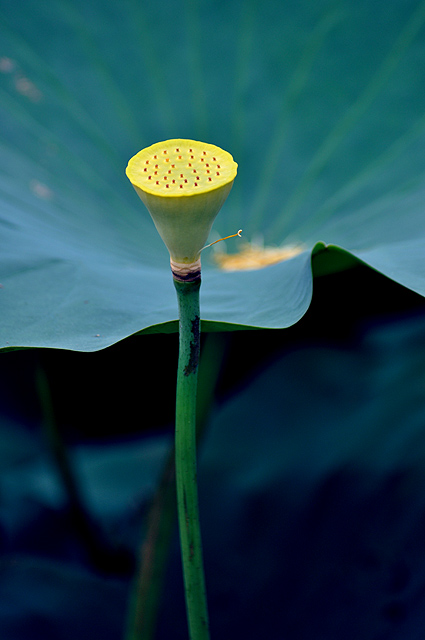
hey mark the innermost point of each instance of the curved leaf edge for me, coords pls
(326, 259)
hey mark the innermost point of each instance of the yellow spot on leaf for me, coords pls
(252, 257)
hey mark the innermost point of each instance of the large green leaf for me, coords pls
(321, 104)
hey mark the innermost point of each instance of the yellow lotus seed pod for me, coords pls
(183, 184)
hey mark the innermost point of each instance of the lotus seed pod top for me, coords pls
(183, 184)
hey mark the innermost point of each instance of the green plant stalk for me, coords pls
(185, 445)
(86, 526)
(147, 584)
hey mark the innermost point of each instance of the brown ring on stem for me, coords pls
(184, 272)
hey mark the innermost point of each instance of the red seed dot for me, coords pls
(198, 178)
(177, 150)
(217, 173)
(210, 179)
(164, 151)
(181, 175)
(195, 184)
(218, 166)
(185, 180)
(147, 161)
(202, 159)
(192, 157)
(206, 164)
(149, 177)
(173, 181)
(205, 153)
(165, 177)
(172, 166)
(208, 171)
(155, 157)
(145, 169)
(181, 186)
(189, 164)
(157, 182)
(180, 157)
(169, 170)
(190, 150)
(213, 158)
(194, 171)
(167, 186)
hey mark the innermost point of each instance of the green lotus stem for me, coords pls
(185, 445)
(98, 549)
(147, 585)
(183, 184)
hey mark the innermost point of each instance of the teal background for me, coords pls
(311, 467)
(321, 106)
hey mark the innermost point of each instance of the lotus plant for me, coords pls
(183, 184)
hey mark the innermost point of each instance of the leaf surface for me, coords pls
(321, 106)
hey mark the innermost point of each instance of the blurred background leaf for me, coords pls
(321, 105)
